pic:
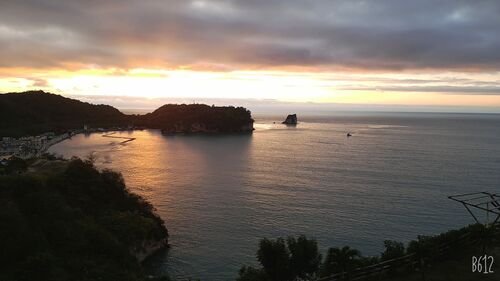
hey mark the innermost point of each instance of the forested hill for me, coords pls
(199, 118)
(35, 112)
(64, 220)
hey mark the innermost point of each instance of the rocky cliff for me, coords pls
(148, 248)
(291, 119)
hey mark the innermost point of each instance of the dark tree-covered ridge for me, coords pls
(199, 118)
(76, 223)
(36, 112)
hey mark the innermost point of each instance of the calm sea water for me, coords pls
(220, 194)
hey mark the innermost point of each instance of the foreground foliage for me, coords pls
(79, 224)
(299, 259)
(295, 258)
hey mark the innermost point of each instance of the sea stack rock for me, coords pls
(291, 119)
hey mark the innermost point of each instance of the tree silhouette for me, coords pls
(340, 260)
(393, 249)
(486, 236)
(293, 259)
(248, 273)
(275, 259)
(304, 257)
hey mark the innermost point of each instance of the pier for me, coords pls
(110, 135)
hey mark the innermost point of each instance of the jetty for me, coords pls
(110, 135)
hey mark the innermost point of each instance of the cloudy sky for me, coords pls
(393, 52)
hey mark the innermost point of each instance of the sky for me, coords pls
(394, 53)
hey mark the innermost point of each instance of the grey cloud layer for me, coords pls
(386, 34)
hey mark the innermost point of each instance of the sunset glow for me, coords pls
(344, 87)
(249, 140)
(342, 52)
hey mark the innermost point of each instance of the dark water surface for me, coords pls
(220, 194)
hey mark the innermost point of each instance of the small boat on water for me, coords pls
(349, 134)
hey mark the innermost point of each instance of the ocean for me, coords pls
(221, 194)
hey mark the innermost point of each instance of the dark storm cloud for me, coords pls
(386, 34)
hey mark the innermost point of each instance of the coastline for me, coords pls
(34, 146)
(31, 146)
